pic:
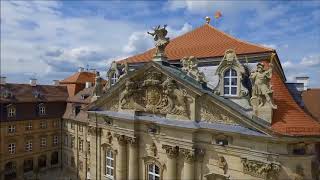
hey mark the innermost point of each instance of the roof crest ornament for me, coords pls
(161, 41)
(208, 19)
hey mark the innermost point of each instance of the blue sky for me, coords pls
(51, 39)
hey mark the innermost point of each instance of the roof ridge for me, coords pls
(237, 39)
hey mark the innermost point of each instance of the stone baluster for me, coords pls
(121, 160)
(188, 167)
(133, 158)
(172, 153)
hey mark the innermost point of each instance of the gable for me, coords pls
(157, 90)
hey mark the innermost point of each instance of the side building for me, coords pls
(30, 133)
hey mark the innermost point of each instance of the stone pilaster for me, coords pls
(121, 160)
(188, 167)
(172, 153)
(133, 158)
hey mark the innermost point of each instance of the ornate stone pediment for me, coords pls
(210, 112)
(153, 92)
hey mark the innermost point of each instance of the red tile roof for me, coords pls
(80, 77)
(311, 100)
(289, 118)
(204, 41)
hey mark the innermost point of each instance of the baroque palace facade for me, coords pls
(204, 105)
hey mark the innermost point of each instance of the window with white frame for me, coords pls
(55, 123)
(42, 109)
(12, 148)
(114, 79)
(109, 164)
(65, 124)
(43, 124)
(28, 146)
(11, 111)
(29, 126)
(80, 127)
(230, 84)
(11, 128)
(153, 172)
(55, 140)
(88, 146)
(43, 142)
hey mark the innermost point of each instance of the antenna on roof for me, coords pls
(87, 67)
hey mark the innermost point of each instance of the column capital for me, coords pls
(132, 140)
(189, 155)
(199, 154)
(122, 139)
(172, 151)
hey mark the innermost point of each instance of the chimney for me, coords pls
(56, 82)
(3, 80)
(33, 82)
(304, 80)
(88, 84)
(81, 69)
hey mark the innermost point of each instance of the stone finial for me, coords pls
(190, 66)
(161, 41)
(208, 19)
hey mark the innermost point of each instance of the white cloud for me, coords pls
(141, 41)
(273, 46)
(310, 61)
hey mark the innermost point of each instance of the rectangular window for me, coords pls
(72, 125)
(42, 110)
(72, 141)
(43, 142)
(43, 124)
(80, 128)
(73, 162)
(11, 112)
(109, 164)
(66, 140)
(28, 146)
(55, 140)
(55, 123)
(80, 165)
(11, 128)
(80, 144)
(28, 126)
(65, 158)
(12, 148)
(65, 124)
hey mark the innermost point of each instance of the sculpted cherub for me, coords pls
(261, 85)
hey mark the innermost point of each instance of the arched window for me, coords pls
(10, 171)
(153, 172)
(230, 82)
(109, 164)
(42, 109)
(114, 79)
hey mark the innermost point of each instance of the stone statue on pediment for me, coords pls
(190, 66)
(161, 41)
(261, 86)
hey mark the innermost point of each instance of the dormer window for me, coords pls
(42, 109)
(114, 79)
(77, 109)
(11, 111)
(230, 82)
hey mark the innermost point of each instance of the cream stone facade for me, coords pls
(188, 115)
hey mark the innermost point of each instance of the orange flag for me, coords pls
(217, 15)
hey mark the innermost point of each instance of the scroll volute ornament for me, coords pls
(222, 163)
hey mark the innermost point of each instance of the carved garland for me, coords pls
(267, 170)
(210, 113)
